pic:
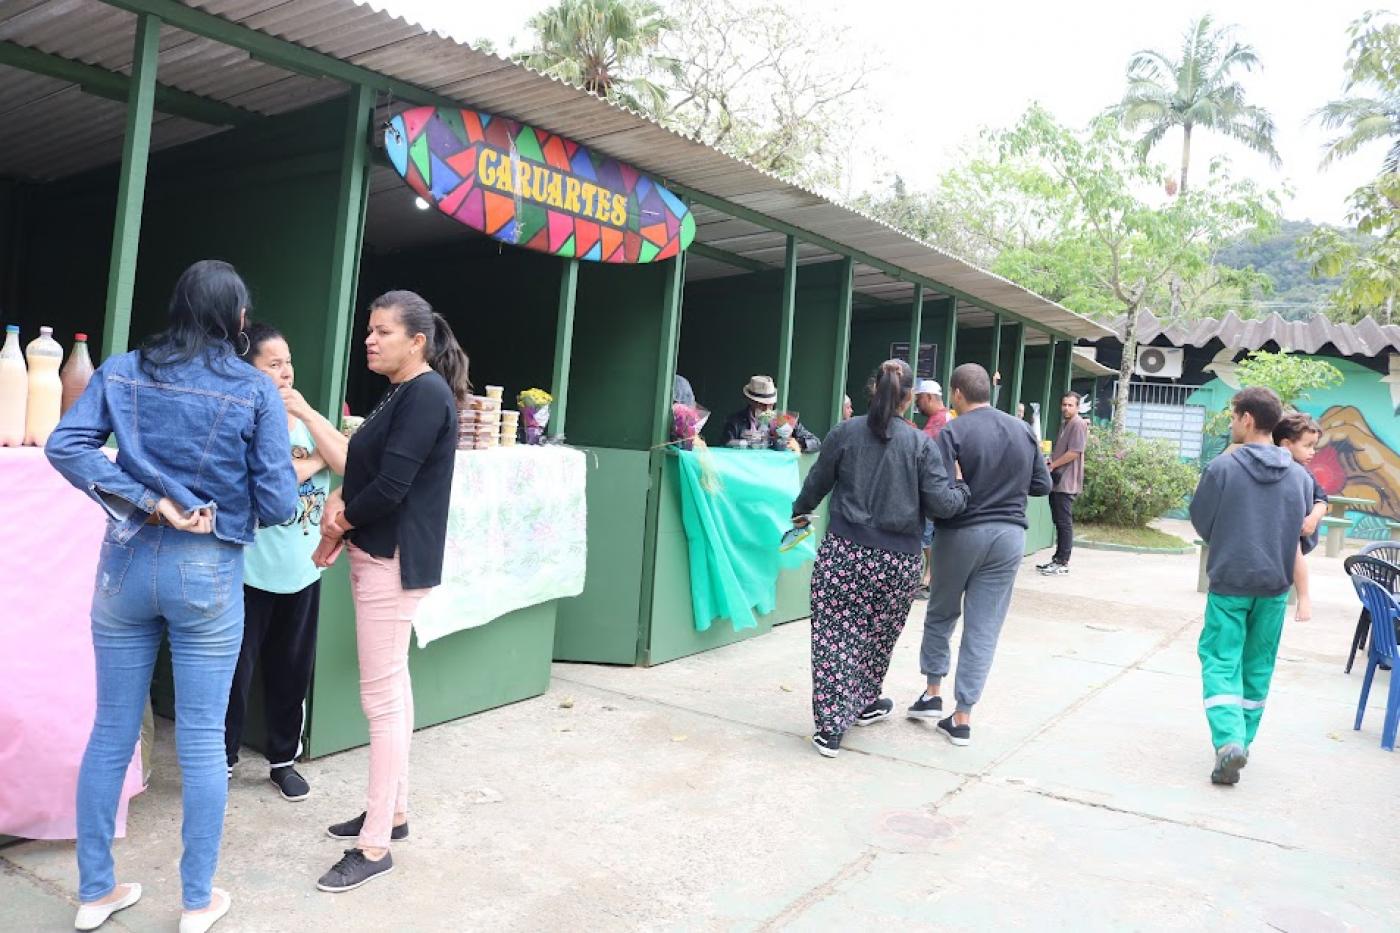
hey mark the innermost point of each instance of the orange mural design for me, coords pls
(1352, 461)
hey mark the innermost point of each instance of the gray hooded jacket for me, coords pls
(1249, 507)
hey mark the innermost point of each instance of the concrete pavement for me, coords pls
(685, 796)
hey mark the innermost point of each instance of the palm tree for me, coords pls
(605, 47)
(1195, 89)
(1373, 60)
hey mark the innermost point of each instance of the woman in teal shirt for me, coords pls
(282, 587)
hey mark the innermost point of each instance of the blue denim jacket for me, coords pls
(211, 432)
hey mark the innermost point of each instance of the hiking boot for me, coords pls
(1229, 760)
(926, 707)
(828, 744)
(958, 735)
(353, 870)
(350, 829)
(880, 709)
(290, 785)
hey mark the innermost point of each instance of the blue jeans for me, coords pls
(189, 587)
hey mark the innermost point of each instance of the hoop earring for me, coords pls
(247, 344)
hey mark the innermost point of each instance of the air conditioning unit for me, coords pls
(1161, 362)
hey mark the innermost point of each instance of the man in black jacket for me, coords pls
(978, 551)
(762, 396)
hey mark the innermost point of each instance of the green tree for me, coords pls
(1370, 111)
(1083, 233)
(606, 47)
(1196, 88)
(1290, 375)
(760, 81)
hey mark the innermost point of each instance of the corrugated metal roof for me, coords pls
(92, 32)
(1364, 338)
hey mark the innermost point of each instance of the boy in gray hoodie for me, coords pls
(1249, 507)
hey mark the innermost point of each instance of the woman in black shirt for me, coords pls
(392, 510)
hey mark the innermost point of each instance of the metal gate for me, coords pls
(1159, 411)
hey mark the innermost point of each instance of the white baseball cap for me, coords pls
(929, 387)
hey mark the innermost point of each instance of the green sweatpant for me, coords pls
(1238, 647)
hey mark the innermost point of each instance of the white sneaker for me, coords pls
(92, 916)
(200, 922)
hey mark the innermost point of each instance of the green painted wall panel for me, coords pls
(602, 624)
(814, 345)
(1041, 533)
(617, 328)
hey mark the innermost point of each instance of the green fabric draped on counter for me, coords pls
(735, 505)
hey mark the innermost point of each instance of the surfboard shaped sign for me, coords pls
(526, 187)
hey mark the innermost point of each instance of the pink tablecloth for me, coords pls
(50, 535)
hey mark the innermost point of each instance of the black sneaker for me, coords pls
(1045, 566)
(353, 870)
(350, 829)
(876, 711)
(827, 743)
(1053, 569)
(958, 735)
(1229, 760)
(926, 707)
(291, 785)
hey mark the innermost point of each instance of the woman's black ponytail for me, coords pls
(449, 359)
(894, 381)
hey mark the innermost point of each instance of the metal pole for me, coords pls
(916, 326)
(948, 356)
(994, 365)
(789, 311)
(668, 348)
(131, 187)
(345, 249)
(563, 346)
(843, 340)
(1018, 365)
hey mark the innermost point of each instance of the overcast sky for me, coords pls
(948, 69)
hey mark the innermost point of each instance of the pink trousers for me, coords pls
(383, 626)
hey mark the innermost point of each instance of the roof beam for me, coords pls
(728, 258)
(888, 268)
(115, 86)
(280, 52)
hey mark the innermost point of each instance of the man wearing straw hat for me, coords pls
(763, 395)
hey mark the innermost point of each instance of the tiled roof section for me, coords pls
(1365, 338)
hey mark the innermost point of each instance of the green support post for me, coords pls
(345, 251)
(1048, 409)
(1068, 375)
(916, 326)
(843, 340)
(948, 354)
(994, 356)
(789, 312)
(1018, 365)
(131, 187)
(668, 349)
(563, 346)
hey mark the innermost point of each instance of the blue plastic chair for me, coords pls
(1384, 611)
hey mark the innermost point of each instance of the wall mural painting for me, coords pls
(1359, 454)
(524, 186)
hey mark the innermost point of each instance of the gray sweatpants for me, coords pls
(973, 572)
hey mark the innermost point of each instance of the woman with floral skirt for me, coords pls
(885, 477)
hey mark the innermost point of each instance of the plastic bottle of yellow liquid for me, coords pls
(45, 387)
(14, 390)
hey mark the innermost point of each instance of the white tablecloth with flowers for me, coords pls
(516, 537)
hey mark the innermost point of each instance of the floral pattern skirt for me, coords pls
(861, 597)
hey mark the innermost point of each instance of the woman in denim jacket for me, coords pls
(201, 458)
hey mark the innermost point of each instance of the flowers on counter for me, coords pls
(534, 410)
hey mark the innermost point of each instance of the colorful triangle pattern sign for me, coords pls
(526, 187)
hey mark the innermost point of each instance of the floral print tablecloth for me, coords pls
(516, 537)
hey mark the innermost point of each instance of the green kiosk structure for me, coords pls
(146, 134)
